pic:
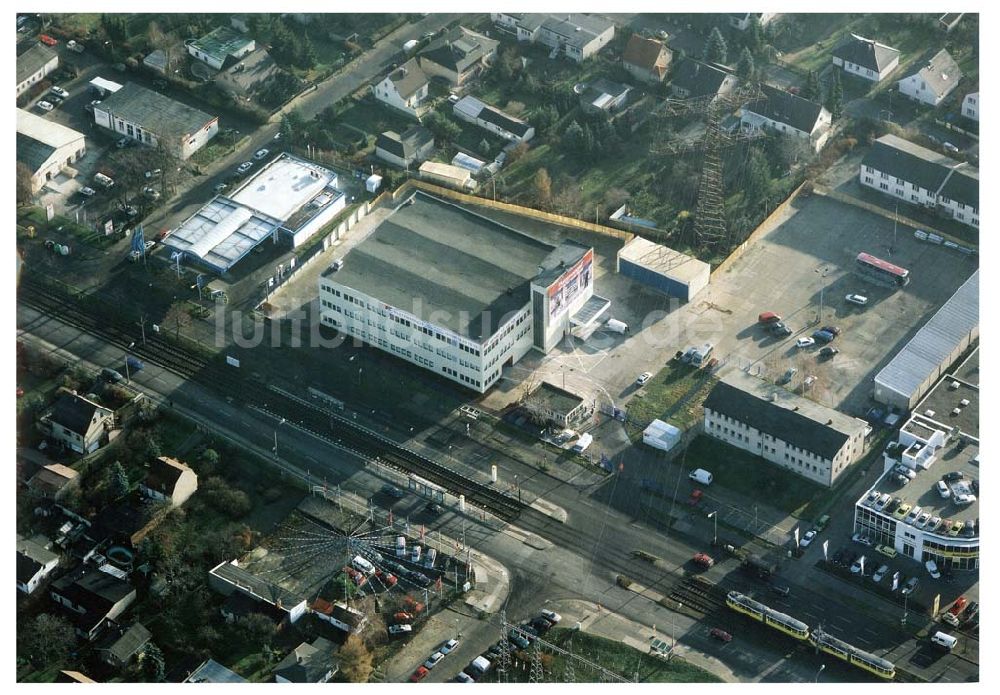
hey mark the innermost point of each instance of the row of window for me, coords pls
(944, 200)
(511, 325)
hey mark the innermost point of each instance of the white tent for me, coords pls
(661, 435)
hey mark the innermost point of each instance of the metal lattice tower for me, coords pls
(537, 674)
(710, 222)
(503, 668)
(569, 672)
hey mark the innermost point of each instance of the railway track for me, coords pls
(697, 594)
(212, 373)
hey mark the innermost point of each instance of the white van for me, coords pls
(362, 565)
(583, 442)
(700, 475)
(617, 326)
(944, 641)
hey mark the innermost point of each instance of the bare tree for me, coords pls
(177, 315)
(355, 660)
(24, 194)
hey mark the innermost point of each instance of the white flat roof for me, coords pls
(45, 131)
(663, 259)
(283, 186)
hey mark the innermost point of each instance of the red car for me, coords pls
(768, 317)
(402, 617)
(720, 634)
(47, 40)
(959, 606)
(703, 560)
(419, 674)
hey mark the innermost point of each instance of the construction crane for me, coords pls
(709, 222)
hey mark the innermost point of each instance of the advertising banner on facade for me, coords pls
(571, 285)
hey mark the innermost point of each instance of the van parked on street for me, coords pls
(944, 641)
(700, 475)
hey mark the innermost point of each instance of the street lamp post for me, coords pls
(714, 516)
(276, 437)
(128, 377)
(821, 667)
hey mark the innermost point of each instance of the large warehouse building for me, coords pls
(663, 269)
(930, 352)
(46, 147)
(153, 119)
(289, 197)
(445, 288)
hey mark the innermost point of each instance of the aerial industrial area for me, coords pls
(497, 348)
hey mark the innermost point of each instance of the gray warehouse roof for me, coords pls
(932, 344)
(33, 60)
(663, 260)
(161, 115)
(437, 260)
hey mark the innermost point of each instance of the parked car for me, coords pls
(950, 147)
(153, 172)
(903, 509)
(779, 329)
(932, 569)
(260, 154)
(643, 378)
(912, 515)
(541, 624)
(787, 376)
(910, 586)
(953, 476)
(449, 646)
(807, 538)
(220, 187)
(44, 105)
(862, 539)
(964, 499)
(880, 573)
(434, 508)
(515, 637)
(858, 299)
(823, 336)
(151, 193)
(551, 616)
(433, 660)
(87, 191)
(123, 143)
(720, 634)
(922, 520)
(858, 565)
(933, 524)
(886, 550)
(971, 612)
(835, 330)
(463, 677)
(403, 617)
(956, 527)
(111, 375)
(59, 91)
(768, 317)
(393, 491)
(828, 351)
(905, 470)
(55, 100)
(805, 342)
(419, 674)
(244, 167)
(401, 629)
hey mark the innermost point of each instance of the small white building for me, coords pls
(866, 58)
(405, 88)
(47, 148)
(415, 144)
(33, 65)
(151, 118)
(788, 430)
(663, 269)
(788, 114)
(77, 423)
(448, 175)
(34, 564)
(221, 45)
(169, 480)
(741, 20)
(494, 120)
(577, 36)
(970, 106)
(933, 80)
(661, 435)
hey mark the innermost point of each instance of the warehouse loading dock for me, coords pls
(663, 269)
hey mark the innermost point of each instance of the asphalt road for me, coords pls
(588, 552)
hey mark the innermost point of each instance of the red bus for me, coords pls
(881, 271)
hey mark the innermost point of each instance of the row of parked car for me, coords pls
(918, 518)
